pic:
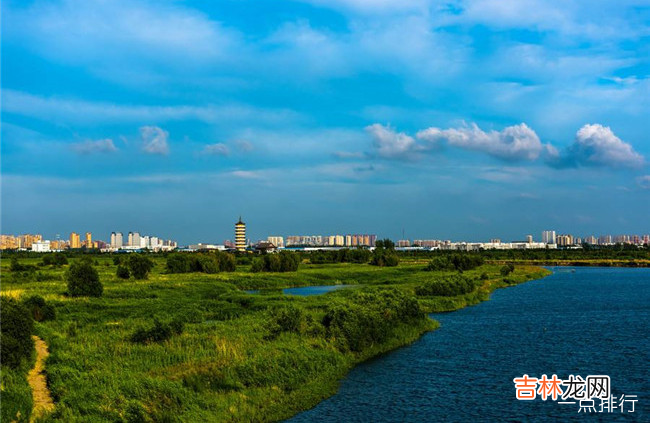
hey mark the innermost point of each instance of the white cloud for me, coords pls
(244, 146)
(391, 144)
(644, 181)
(518, 142)
(597, 145)
(107, 34)
(98, 146)
(154, 140)
(217, 149)
(372, 6)
(55, 109)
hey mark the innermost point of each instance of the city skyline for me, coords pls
(134, 240)
(457, 120)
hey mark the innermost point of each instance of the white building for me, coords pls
(548, 237)
(41, 247)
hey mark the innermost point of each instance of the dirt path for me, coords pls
(40, 393)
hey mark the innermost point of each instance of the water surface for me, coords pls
(308, 290)
(593, 321)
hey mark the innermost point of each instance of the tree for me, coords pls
(83, 280)
(384, 254)
(178, 263)
(16, 325)
(227, 262)
(140, 266)
(39, 309)
(122, 272)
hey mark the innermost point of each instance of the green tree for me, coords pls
(39, 309)
(140, 265)
(122, 272)
(178, 263)
(83, 280)
(16, 325)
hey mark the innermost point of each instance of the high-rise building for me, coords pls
(548, 237)
(529, 239)
(278, 241)
(136, 239)
(89, 240)
(119, 240)
(75, 240)
(565, 240)
(240, 235)
(113, 239)
(129, 239)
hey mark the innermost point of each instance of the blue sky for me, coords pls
(448, 120)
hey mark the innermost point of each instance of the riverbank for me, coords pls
(463, 371)
(577, 263)
(238, 356)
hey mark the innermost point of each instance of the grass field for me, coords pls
(230, 363)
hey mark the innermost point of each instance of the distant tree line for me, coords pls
(344, 255)
(458, 262)
(285, 261)
(213, 262)
(384, 254)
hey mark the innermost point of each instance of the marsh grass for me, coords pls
(224, 365)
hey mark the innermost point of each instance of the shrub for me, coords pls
(257, 266)
(140, 265)
(227, 262)
(459, 262)
(117, 260)
(83, 280)
(448, 287)
(507, 269)
(384, 258)
(206, 263)
(287, 319)
(178, 263)
(369, 318)
(56, 259)
(39, 309)
(285, 261)
(158, 333)
(16, 325)
(122, 272)
(16, 266)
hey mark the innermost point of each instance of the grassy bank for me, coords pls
(578, 262)
(239, 356)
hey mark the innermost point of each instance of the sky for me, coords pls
(461, 120)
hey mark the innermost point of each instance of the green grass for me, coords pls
(224, 366)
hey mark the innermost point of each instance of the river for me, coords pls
(582, 321)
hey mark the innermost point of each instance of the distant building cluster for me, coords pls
(135, 241)
(568, 240)
(549, 240)
(494, 244)
(349, 240)
(36, 242)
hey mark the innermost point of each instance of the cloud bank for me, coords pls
(218, 149)
(154, 140)
(594, 145)
(98, 146)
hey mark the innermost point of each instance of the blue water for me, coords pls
(314, 290)
(591, 322)
(308, 290)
